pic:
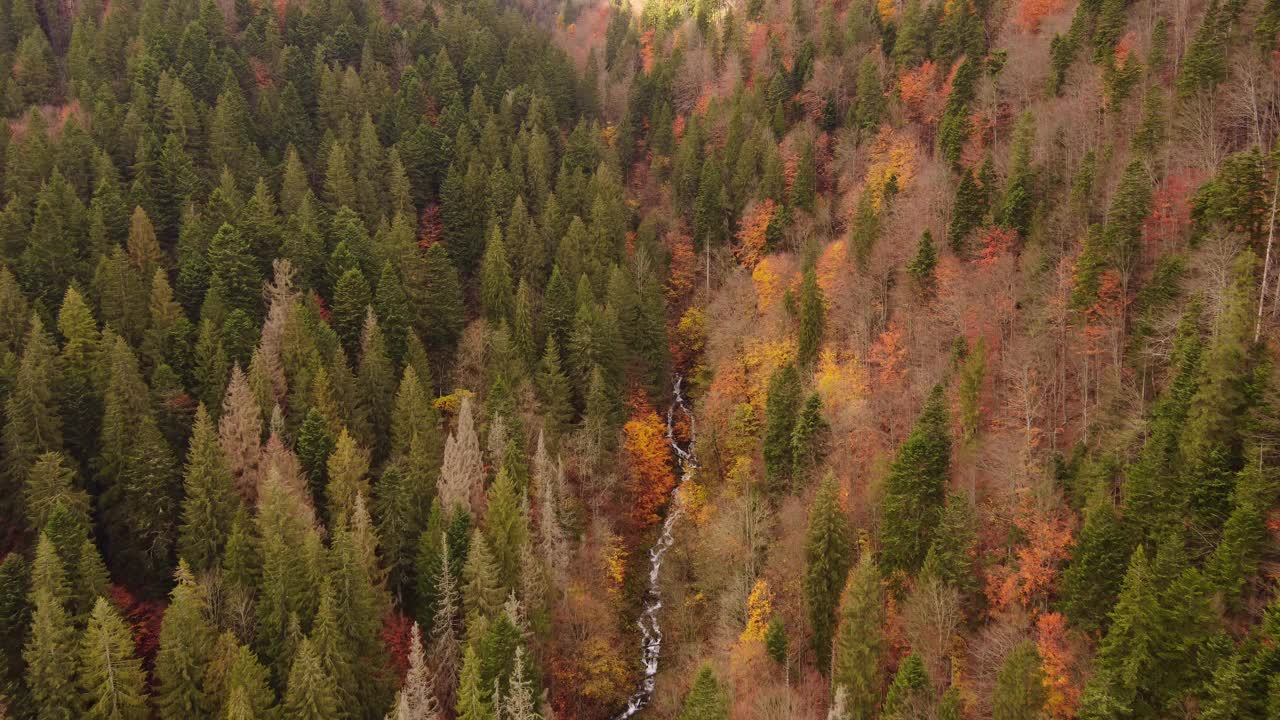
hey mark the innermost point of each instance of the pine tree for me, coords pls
(805, 185)
(50, 651)
(1020, 686)
(210, 503)
(310, 691)
(915, 489)
(827, 550)
(507, 526)
(706, 699)
(1237, 555)
(781, 406)
(445, 645)
(186, 638)
(859, 641)
(111, 677)
(77, 391)
(483, 592)
(1204, 64)
(812, 320)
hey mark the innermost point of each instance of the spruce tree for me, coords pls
(473, 701)
(781, 406)
(210, 503)
(915, 489)
(1020, 685)
(827, 551)
(496, 286)
(907, 693)
(441, 307)
(859, 641)
(50, 652)
(812, 320)
(111, 677)
(706, 700)
(310, 691)
(186, 639)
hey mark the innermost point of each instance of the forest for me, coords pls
(598, 359)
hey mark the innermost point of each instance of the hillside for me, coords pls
(705, 359)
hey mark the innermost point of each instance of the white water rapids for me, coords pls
(650, 631)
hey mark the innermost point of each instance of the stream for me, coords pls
(650, 631)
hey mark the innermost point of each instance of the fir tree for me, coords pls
(827, 550)
(812, 320)
(50, 652)
(907, 693)
(473, 703)
(440, 310)
(924, 263)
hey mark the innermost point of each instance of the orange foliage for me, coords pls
(677, 127)
(1102, 318)
(888, 355)
(832, 269)
(646, 51)
(1036, 562)
(1170, 210)
(995, 241)
(648, 465)
(916, 89)
(683, 265)
(753, 234)
(1059, 661)
(1030, 12)
(1123, 48)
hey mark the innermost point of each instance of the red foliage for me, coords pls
(994, 242)
(1102, 319)
(325, 314)
(648, 464)
(143, 618)
(889, 356)
(430, 226)
(1170, 211)
(1030, 12)
(396, 632)
(261, 72)
(646, 51)
(916, 90)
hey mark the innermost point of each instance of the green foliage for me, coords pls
(1020, 687)
(705, 700)
(915, 489)
(781, 408)
(860, 643)
(827, 557)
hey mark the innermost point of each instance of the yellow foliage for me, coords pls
(768, 285)
(694, 500)
(831, 265)
(761, 358)
(604, 670)
(888, 10)
(615, 562)
(448, 405)
(892, 155)
(692, 329)
(839, 381)
(759, 608)
(740, 473)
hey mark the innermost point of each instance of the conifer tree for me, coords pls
(348, 471)
(473, 703)
(76, 388)
(32, 423)
(310, 691)
(111, 678)
(967, 212)
(209, 504)
(377, 382)
(781, 407)
(915, 489)
(706, 700)
(554, 388)
(234, 276)
(1092, 580)
(462, 472)
(417, 699)
(506, 526)
(496, 287)
(351, 298)
(440, 309)
(812, 320)
(248, 688)
(50, 652)
(240, 434)
(924, 263)
(50, 485)
(483, 592)
(1020, 687)
(859, 641)
(906, 697)
(186, 638)
(827, 549)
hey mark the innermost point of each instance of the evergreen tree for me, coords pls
(50, 652)
(967, 212)
(310, 691)
(210, 503)
(473, 702)
(186, 638)
(32, 423)
(1020, 686)
(915, 489)
(351, 300)
(906, 695)
(440, 310)
(706, 700)
(496, 287)
(781, 406)
(812, 320)
(110, 675)
(827, 549)
(1092, 580)
(859, 641)
(924, 263)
